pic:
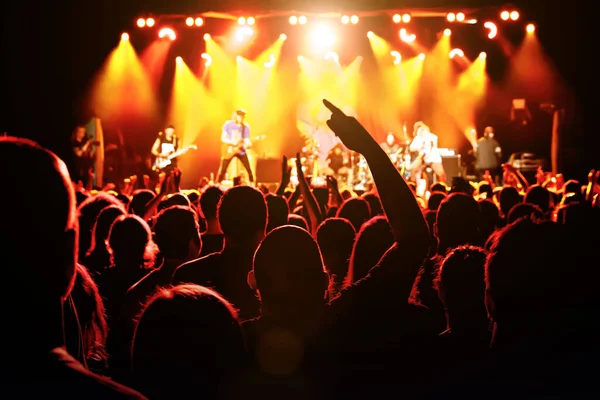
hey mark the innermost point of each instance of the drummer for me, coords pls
(337, 162)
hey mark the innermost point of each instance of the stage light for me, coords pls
(293, 20)
(406, 37)
(397, 18)
(238, 59)
(241, 21)
(483, 55)
(323, 37)
(283, 36)
(471, 21)
(189, 21)
(456, 52)
(141, 22)
(243, 33)
(207, 36)
(460, 17)
(451, 17)
(370, 35)
(514, 15)
(345, 19)
(271, 62)
(167, 33)
(332, 56)
(150, 22)
(125, 36)
(354, 19)
(207, 59)
(505, 15)
(199, 21)
(406, 18)
(447, 32)
(397, 56)
(530, 28)
(302, 20)
(492, 29)
(250, 21)
(422, 56)
(300, 58)
(178, 60)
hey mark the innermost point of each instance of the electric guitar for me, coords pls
(162, 162)
(231, 150)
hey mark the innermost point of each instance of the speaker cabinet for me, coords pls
(452, 166)
(268, 170)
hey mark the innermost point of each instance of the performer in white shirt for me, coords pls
(425, 144)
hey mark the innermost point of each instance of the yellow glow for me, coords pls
(178, 60)
(421, 56)
(406, 18)
(451, 17)
(293, 20)
(243, 33)
(302, 20)
(354, 19)
(514, 15)
(345, 19)
(397, 57)
(504, 15)
(380, 46)
(530, 28)
(460, 17)
(447, 32)
(141, 22)
(397, 18)
(207, 36)
(150, 22)
(207, 59)
(199, 21)
(167, 33)
(189, 21)
(122, 91)
(251, 21)
(241, 21)
(283, 36)
(125, 36)
(456, 53)
(322, 38)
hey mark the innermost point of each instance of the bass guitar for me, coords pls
(162, 162)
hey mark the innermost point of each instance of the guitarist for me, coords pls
(236, 141)
(84, 153)
(425, 144)
(166, 144)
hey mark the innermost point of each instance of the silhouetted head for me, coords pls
(435, 199)
(242, 214)
(356, 210)
(390, 139)
(139, 201)
(278, 211)
(374, 204)
(188, 340)
(372, 241)
(439, 187)
(335, 237)
(508, 198)
(298, 220)
(461, 284)
(130, 243)
(524, 210)
(288, 272)
(78, 133)
(102, 227)
(458, 222)
(88, 212)
(177, 233)
(38, 241)
(209, 201)
(539, 196)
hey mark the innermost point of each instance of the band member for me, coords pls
(425, 144)
(488, 155)
(236, 140)
(166, 144)
(391, 147)
(83, 149)
(337, 163)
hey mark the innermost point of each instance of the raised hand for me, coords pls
(286, 171)
(348, 129)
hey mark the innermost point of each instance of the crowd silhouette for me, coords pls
(476, 291)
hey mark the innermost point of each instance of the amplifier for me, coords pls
(452, 166)
(268, 170)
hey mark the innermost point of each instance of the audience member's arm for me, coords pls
(522, 180)
(401, 208)
(153, 204)
(592, 187)
(335, 198)
(309, 200)
(286, 172)
(293, 200)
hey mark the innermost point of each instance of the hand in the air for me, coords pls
(332, 183)
(286, 171)
(348, 129)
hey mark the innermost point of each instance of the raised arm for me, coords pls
(309, 200)
(401, 208)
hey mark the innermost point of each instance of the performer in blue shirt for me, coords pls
(235, 138)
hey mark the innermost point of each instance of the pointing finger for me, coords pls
(332, 108)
